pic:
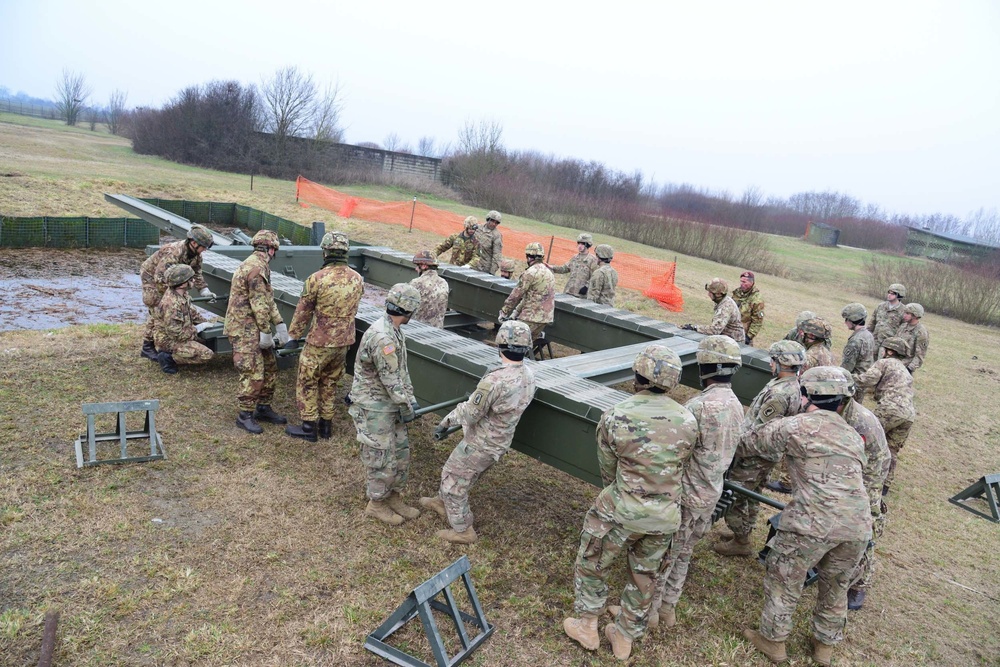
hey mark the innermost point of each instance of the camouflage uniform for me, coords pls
(381, 388)
(643, 445)
(490, 251)
(726, 321)
(893, 387)
(826, 525)
(174, 331)
(917, 339)
(331, 296)
(603, 284)
(579, 268)
(818, 354)
(751, 305)
(859, 355)
(534, 298)
(885, 321)
(250, 312)
(464, 249)
(152, 271)
(488, 420)
(433, 298)
(779, 398)
(720, 416)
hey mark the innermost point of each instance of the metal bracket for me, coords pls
(121, 434)
(421, 601)
(988, 489)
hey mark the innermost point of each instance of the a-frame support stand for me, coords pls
(988, 489)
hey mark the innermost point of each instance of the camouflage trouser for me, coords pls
(536, 328)
(320, 369)
(897, 430)
(694, 525)
(750, 472)
(460, 472)
(258, 371)
(385, 450)
(788, 563)
(600, 544)
(864, 573)
(189, 352)
(151, 299)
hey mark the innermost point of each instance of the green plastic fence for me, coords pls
(235, 215)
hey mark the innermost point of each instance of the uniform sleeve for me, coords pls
(517, 294)
(850, 356)
(304, 310)
(198, 280)
(597, 285)
(261, 305)
(497, 253)
(605, 448)
(719, 321)
(756, 317)
(872, 321)
(870, 377)
(919, 351)
(478, 405)
(173, 322)
(766, 441)
(385, 358)
(444, 245)
(562, 268)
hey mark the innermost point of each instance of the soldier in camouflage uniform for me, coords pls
(433, 290)
(382, 403)
(893, 388)
(579, 267)
(795, 333)
(488, 420)
(177, 324)
(249, 315)
(816, 336)
(826, 525)
(604, 281)
(153, 271)
(329, 303)
(779, 398)
(464, 246)
(915, 335)
(533, 301)
(751, 305)
(644, 443)
(507, 267)
(888, 315)
(490, 245)
(859, 352)
(726, 320)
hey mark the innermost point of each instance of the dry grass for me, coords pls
(263, 556)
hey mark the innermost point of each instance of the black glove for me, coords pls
(583, 291)
(748, 340)
(292, 344)
(347, 400)
(688, 327)
(439, 431)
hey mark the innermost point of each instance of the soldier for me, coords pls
(604, 279)
(490, 245)
(779, 398)
(153, 270)
(329, 303)
(433, 290)
(382, 403)
(177, 324)
(751, 304)
(815, 337)
(643, 444)
(579, 267)
(507, 268)
(464, 246)
(915, 335)
(859, 352)
(888, 315)
(488, 420)
(795, 333)
(249, 315)
(827, 524)
(893, 388)
(533, 301)
(726, 320)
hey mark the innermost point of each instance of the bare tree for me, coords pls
(72, 92)
(326, 123)
(116, 110)
(392, 142)
(485, 137)
(289, 104)
(425, 147)
(750, 208)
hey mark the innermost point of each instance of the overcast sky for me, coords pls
(894, 102)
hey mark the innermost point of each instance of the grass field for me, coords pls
(261, 555)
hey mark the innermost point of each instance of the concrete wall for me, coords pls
(329, 154)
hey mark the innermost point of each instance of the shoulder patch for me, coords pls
(389, 349)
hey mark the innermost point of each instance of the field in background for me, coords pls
(263, 556)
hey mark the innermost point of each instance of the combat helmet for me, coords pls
(897, 345)
(178, 274)
(514, 336)
(604, 251)
(825, 381)
(472, 222)
(802, 317)
(717, 286)
(335, 241)
(507, 264)
(899, 289)
(201, 235)
(720, 351)
(854, 312)
(403, 299)
(585, 238)
(493, 216)
(914, 309)
(816, 327)
(265, 238)
(534, 249)
(787, 353)
(660, 365)
(424, 257)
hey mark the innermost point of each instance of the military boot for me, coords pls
(822, 653)
(264, 413)
(148, 350)
(583, 630)
(775, 651)
(399, 507)
(467, 536)
(620, 644)
(738, 546)
(668, 616)
(307, 431)
(652, 623)
(246, 422)
(435, 504)
(855, 599)
(379, 509)
(325, 428)
(167, 363)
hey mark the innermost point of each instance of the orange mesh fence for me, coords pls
(655, 278)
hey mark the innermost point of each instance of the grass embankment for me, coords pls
(263, 557)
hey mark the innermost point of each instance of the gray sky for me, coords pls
(893, 102)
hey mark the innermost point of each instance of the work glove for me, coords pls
(282, 333)
(207, 293)
(266, 341)
(501, 318)
(439, 431)
(293, 344)
(748, 340)
(688, 327)
(201, 327)
(583, 290)
(406, 413)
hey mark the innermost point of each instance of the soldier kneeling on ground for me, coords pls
(176, 324)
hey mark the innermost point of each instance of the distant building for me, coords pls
(944, 246)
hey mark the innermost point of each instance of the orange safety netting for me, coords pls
(655, 278)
